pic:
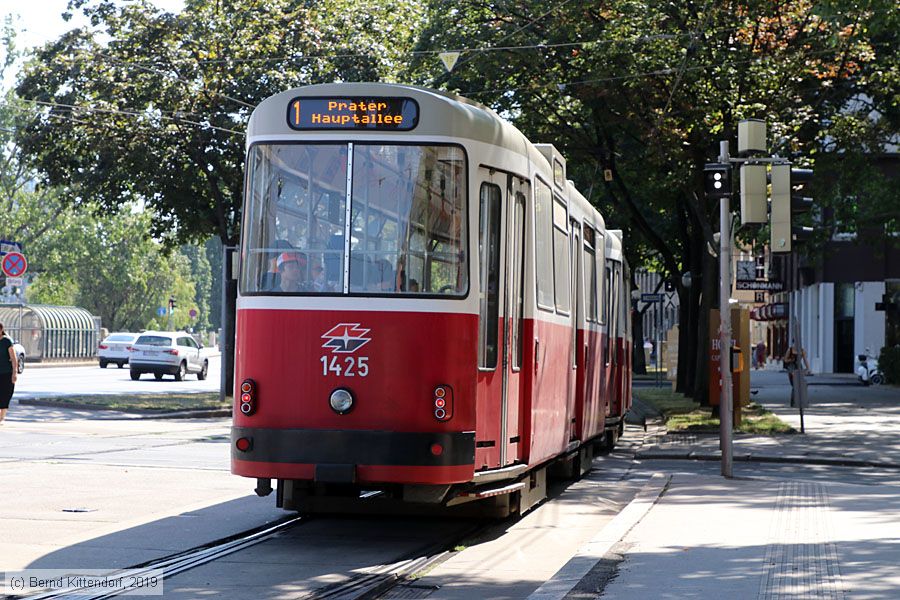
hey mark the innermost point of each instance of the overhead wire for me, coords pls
(165, 115)
(131, 113)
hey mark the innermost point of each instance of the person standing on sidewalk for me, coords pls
(8, 372)
(791, 363)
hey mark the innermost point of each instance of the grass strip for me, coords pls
(682, 414)
(147, 402)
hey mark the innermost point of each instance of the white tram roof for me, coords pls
(441, 114)
(456, 116)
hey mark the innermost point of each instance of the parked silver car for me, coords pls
(167, 353)
(116, 349)
(19, 349)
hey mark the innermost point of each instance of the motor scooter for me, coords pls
(867, 370)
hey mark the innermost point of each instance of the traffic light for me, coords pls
(717, 180)
(172, 302)
(754, 205)
(788, 198)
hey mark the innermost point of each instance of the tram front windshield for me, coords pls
(407, 220)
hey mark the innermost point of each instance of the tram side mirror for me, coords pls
(235, 263)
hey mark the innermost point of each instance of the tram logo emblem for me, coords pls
(346, 338)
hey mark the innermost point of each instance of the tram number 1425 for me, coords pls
(348, 366)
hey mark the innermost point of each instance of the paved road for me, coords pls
(148, 488)
(67, 381)
(140, 488)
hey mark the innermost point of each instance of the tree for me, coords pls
(108, 265)
(202, 278)
(643, 91)
(156, 114)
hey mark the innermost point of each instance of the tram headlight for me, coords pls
(341, 401)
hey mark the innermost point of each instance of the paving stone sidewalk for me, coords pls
(775, 538)
(845, 423)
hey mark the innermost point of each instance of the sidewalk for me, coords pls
(708, 537)
(809, 535)
(848, 425)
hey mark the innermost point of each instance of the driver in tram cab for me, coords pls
(292, 271)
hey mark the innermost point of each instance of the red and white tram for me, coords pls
(426, 306)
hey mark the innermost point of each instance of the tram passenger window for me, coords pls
(542, 250)
(600, 252)
(590, 266)
(561, 257)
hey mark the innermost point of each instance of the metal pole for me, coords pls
(226, 273)
(658, 345)
(725, 398)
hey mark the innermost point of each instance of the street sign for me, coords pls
(651, 297)
(14, 264)
(193, 313)
(9, 246)
(161, 311)
(767, 286)
(15, 281)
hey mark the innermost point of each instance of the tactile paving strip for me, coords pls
(801, 560)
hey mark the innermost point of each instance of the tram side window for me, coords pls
(609, 311)
(561, 251)
(542, 250)
(489, 288)
(408, 220)
(614, 302)
(590, 265)
(600, 251)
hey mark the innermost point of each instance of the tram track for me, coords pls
(182, 561)
(378, 580)
(367, 585)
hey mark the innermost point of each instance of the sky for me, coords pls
(38, 21)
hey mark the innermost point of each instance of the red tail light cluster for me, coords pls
(173, 351)
(443, 402)
(248, 397)
(102, 347)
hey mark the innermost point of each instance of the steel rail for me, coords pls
(181, 561)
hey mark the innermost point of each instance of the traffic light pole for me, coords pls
(725, 398)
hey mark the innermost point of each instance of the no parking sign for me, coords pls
(14, 264)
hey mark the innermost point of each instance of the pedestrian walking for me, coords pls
(8, 372)
(760, 355)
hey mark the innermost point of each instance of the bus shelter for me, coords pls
(51, 333)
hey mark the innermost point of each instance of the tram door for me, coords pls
(500, 258)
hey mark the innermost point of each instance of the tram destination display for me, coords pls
(396, 114)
